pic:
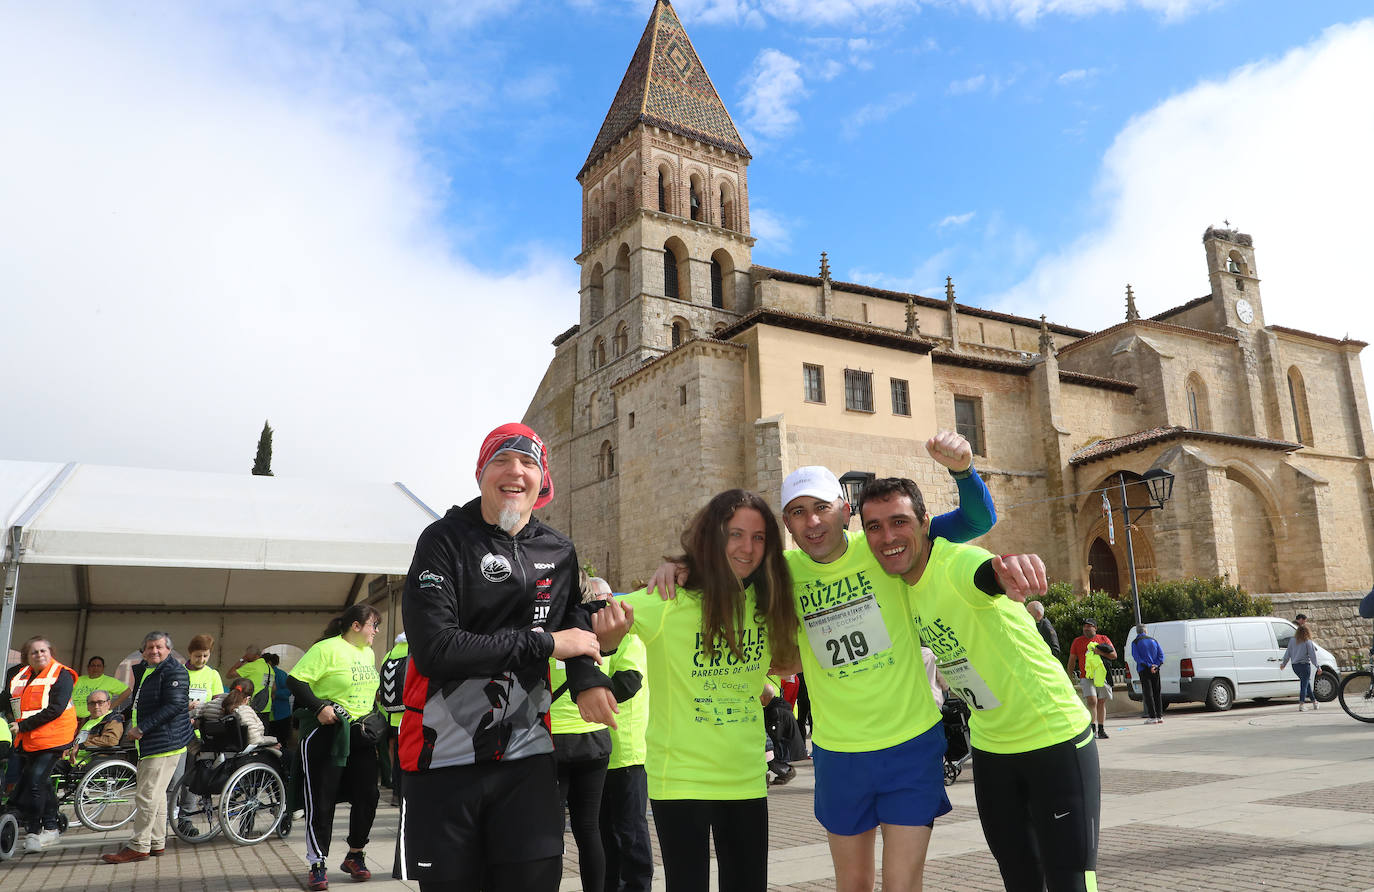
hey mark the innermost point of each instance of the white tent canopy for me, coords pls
(85, 540)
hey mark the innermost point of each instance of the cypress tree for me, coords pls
(262, 462)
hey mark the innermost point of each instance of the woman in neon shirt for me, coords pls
(709, 650)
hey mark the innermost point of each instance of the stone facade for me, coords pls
(691, 370)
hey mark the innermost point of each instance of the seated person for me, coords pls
(102, 728)
(236, 700)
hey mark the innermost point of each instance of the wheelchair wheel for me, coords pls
(253, 803)
(63, 822)
(951, 773)
(104, 798)
(9, 836)
(196, 820)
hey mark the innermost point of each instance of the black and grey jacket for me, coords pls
(479, 608)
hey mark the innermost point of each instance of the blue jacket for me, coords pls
(1146, 652)
(162, 714)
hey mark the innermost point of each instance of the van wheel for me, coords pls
(1220, 696)
(1325, 686)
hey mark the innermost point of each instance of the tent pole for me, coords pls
(11, 590)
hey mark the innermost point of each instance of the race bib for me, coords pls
(848, 633)
(966, 684)
(197, 695)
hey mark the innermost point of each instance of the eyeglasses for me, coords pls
(376, 625)
(96, 702)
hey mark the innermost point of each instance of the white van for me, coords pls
(1219, 661)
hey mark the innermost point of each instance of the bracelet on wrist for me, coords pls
(962, 475)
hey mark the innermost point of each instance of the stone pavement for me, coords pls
(1261, 797)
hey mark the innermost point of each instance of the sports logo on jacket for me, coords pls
(495, 568)
(430, 579)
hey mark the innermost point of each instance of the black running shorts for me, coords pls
(456, 820)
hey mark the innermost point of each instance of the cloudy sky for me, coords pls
(358, 220)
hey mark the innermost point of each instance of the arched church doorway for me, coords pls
(1104, 574)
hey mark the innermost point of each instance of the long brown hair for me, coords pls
(233, 699)
(722, 593)
(362, 614)
(1303, 634)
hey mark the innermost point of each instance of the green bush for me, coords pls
(1159, 602)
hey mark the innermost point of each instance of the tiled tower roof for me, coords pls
(667, 86)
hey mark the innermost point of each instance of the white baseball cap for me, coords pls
(810, 480)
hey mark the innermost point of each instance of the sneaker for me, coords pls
(1302, 707)
(781, 778)
(48, 837)
(356, 867)
(1102, 732)
(33, 842)
(317, 881)
(1315, 704)
(187, 829)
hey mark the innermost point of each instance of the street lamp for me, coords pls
(853, 482)
(1161, 486)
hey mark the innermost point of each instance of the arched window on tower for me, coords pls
(622, 339)
(1297, 396)
(598, 353)
(717, 285)
(595, 293)
(727, 207)
(670, 288)
(1199, 415)
(622, 274)
(663, 190)
(605, 460)
(695, 197)
(680, 332)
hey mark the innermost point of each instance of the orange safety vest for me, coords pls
(29, 696)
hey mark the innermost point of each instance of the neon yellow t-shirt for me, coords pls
(859, 652)
(85, 685)
(564, 717)
(628, 745)
(705, 735)
(338, 671)
(204, 684)
(1094, 668)
(259, 672)
(993, 657)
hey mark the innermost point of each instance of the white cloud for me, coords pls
(1076, 75)
(927, 278)
(773, 86)
(1277, 147)
(955, 220)
(968, 85)
(189, 247)
(771, 229)
(875, 112)
(1028, 11)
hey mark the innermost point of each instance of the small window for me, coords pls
(968, 421)
(865, 311)
(696, 200)
(679, 334)
(598, 353)
(813, 383)
(901, 397)
(622, 339)
(682, 395)
(662, 190)
(858, 390)
(1192, 409)
(606, 460)
(670, 287)
(631, 418)
(717, 285)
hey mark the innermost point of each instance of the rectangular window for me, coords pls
(858, 390)
(632, 420)
(901, 397)
(968, 421)
(682, 395)
(813, 383)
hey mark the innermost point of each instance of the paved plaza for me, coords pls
(1262, 797)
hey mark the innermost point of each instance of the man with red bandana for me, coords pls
(491, 596)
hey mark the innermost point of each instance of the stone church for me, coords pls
(692, 370)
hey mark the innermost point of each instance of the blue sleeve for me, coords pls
(974, 516)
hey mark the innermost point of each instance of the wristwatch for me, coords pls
(962, 475)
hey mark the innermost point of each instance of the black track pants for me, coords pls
(327, 783)
(739, 828)
(1040, 813)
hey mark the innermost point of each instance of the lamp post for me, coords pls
(853, 482)
(1161, 485)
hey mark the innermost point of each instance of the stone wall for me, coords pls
(1335, 621)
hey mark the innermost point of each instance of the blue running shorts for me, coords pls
(903, 785)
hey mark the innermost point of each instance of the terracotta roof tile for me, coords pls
(1113, 446)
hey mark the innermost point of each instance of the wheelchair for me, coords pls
(230, 787)
(100, 791)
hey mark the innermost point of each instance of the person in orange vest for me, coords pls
(43, 725)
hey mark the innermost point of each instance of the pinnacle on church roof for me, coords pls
(1046, 340)
(1132, 314)
(949, 288)
(913, 322)
(825, 267)
(666, 86)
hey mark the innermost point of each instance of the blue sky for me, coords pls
(358, 219)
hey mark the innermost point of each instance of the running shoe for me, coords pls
(317, 881)
(356, 867)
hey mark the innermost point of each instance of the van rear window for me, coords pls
(1211, 638)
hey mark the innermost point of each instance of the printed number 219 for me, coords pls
(847, 648)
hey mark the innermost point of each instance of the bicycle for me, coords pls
(1357, 693)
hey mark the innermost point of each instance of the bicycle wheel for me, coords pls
(1357, 696)
(195, 818)
(104, 798)
(253, 803)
